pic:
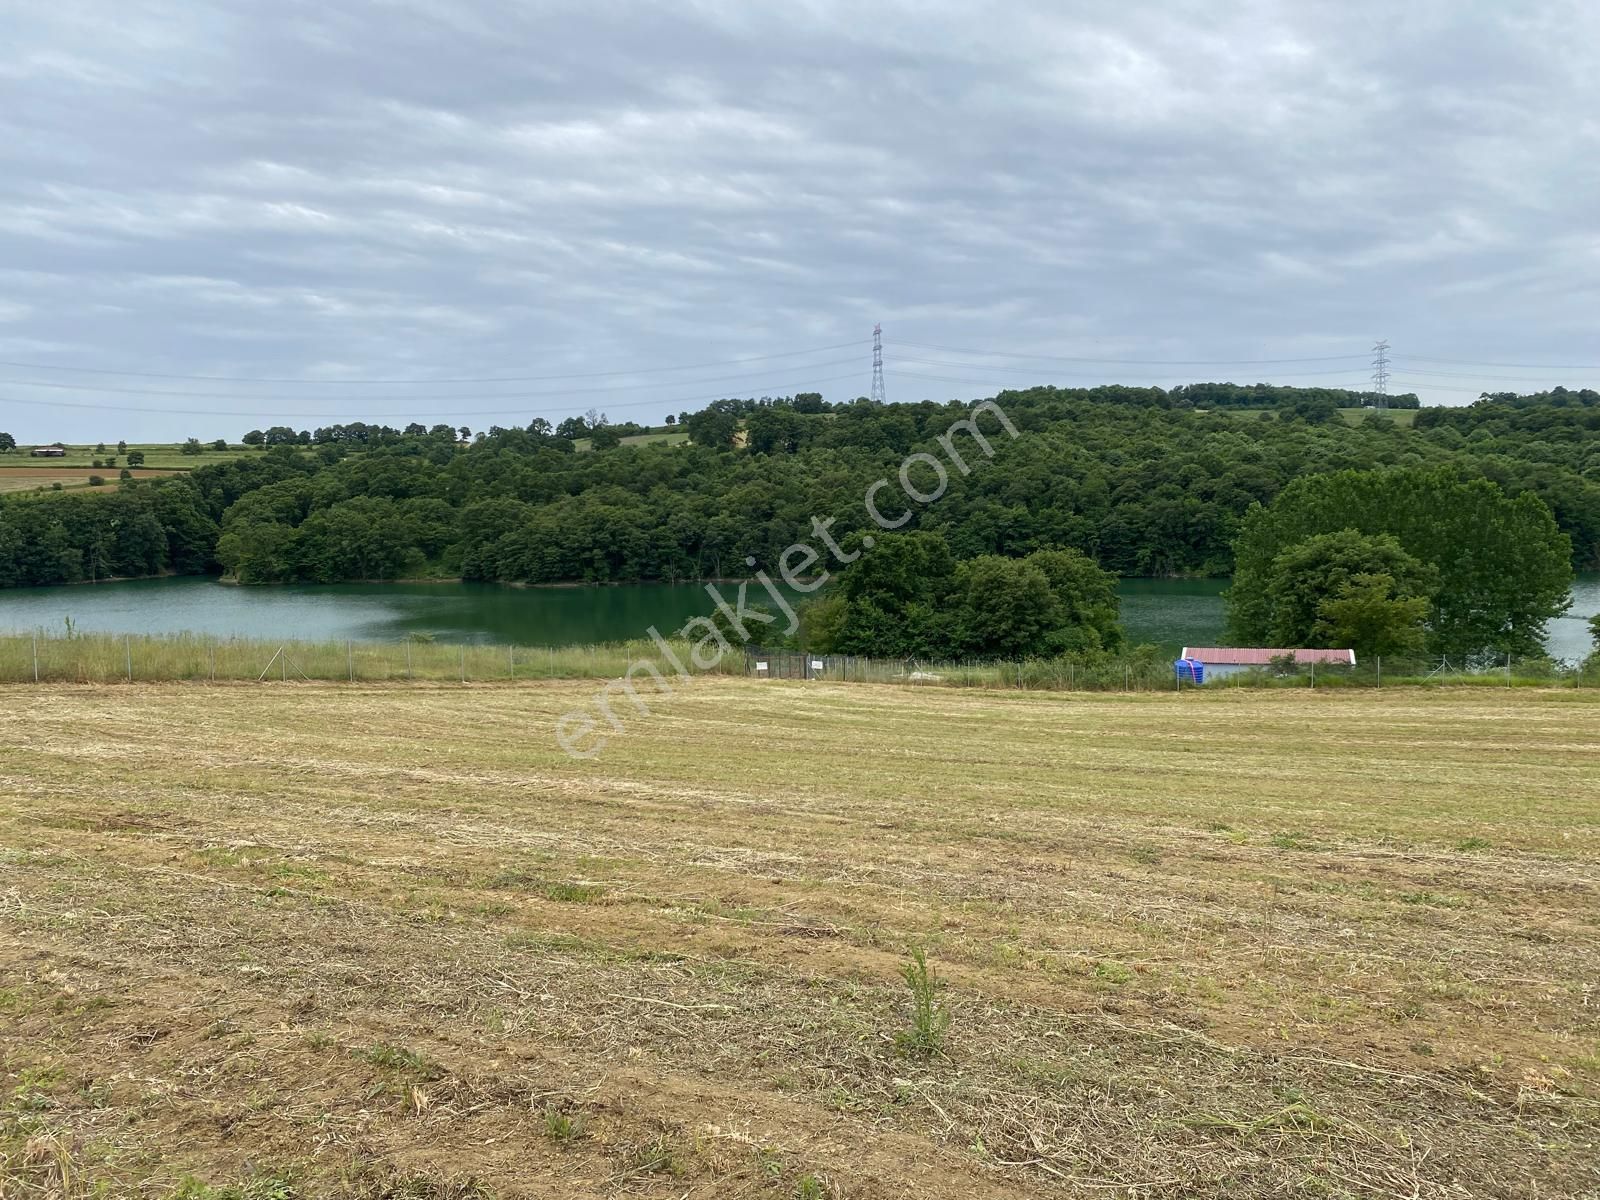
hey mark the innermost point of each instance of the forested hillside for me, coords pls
(1137, 479)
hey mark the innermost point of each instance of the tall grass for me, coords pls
(114, 658)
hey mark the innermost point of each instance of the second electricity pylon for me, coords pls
(1380, 374)
(878, 394)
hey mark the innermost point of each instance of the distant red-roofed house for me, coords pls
(1226, 660)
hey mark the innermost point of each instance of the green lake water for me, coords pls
(1168, 612)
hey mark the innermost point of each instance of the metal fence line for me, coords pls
(89, 658)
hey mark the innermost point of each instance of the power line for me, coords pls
(969, 366)
(727, 362)
(1136, 362)
(620, 387)
(1475, 375)
(391, 414)
(1468, 362)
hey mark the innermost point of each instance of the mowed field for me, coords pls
(304, 940)
(27, 479)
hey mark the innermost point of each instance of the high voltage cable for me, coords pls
(1497, 378)
(346, 417)
(1136, 362)
(621, 387)
(1469, 362)
(968, 366)
(727, 362)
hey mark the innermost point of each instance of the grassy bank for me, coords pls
(380, 942)
(113, 658)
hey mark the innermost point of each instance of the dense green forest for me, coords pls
(1139, 480)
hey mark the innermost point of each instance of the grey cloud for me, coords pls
(428, 188)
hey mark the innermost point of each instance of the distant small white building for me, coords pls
(48, 452)
(1222, 661)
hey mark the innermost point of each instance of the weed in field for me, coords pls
(1113, 973)
(1145, 856)
(810, 1187)
(266, 1187)
(1469, 844)
(574, 893)
(563, 1128)
(1291, 841)
(398, 1058)
(930, 1020)
(659, 1156)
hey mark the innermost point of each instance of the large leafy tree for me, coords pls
(1323, 568)
(1503, 567)
(908, 595)
(1369, 615)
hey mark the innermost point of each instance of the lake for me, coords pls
(1168, 612)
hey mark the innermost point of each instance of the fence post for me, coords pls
(36, 658)
(1508, 670)
(213, 660)
(408, 656)
(463, 662)
(511, 660)
(1313, 672)
(350, 658)
(1380, 672)
(127, 650)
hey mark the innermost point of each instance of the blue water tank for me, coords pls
(1190, 670)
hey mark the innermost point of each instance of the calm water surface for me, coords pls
(1168, 612)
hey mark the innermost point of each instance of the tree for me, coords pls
(1321, 568)
(908, 596)
(122, 447)
(1504, 568)
(604, 438)
(466, 434)
(7, 443)
(1369, 615)
(1594, 631)
(100, 448)
(220, 444)
(1005, 608)
(136, 458)
(671, 420)
(1089, 618)
(192, 447)
(254, 438)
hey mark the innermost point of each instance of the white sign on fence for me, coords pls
(761, 666)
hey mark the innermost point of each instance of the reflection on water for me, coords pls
(1168, 612)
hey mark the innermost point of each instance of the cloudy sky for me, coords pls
(569, 199)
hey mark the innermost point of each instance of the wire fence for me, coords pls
(1147, 673)
(113, 658)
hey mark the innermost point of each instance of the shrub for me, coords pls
(930, 1020)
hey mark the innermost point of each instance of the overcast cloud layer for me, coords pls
(439, 189)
